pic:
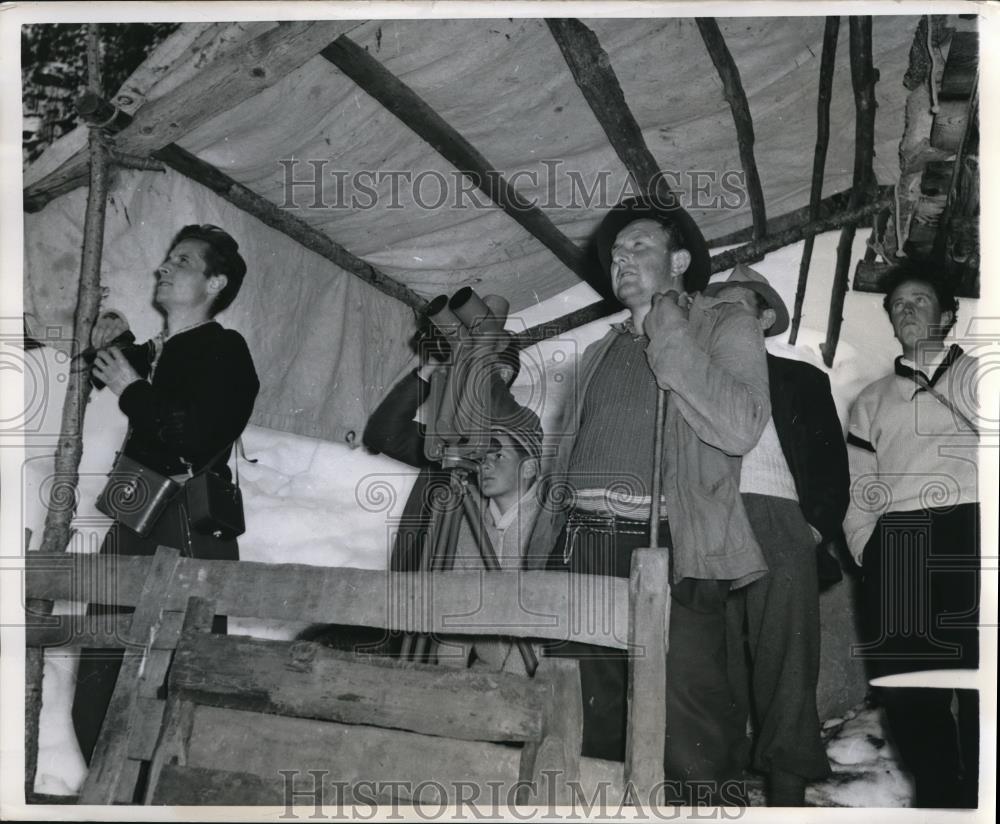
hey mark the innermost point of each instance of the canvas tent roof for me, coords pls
(327, 344)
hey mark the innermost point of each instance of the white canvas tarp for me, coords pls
(325, 344)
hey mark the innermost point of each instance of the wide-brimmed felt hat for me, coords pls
(751, 279)
(688, 234)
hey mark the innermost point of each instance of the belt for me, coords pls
(579, 519)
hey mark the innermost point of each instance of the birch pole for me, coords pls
(63, 490)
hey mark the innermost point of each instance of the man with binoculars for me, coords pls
(709, 358)
(453, 416)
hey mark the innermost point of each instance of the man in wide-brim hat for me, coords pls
(708, 355)
(794, 485)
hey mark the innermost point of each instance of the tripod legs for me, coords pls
(439, 555)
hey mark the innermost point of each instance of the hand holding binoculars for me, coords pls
(466, 315)
(135, 354)
(462, 397)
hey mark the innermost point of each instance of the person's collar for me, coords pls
(932, 367)
(627, 327)
(188, 328)
(502, 520)
(697, 298)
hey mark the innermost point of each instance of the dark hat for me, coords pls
(525, 432)
(751, 279)
(687, 233)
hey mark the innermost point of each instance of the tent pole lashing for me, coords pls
(732, 88)
(827, 64)
(66, 473)
(863, 78)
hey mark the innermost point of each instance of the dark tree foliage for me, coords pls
(54, 72)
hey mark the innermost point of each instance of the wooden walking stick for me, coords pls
(649, 604)
(656, 491)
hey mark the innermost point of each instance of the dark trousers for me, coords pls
(773, 634)
(98, 671)
(697, 694)
(921, 611)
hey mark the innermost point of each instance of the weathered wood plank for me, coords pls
(732, 89)
(110, 776)
(603, 780)
(99, 632)
(178, 715)
(146, 731)
(67, 158)
(263, 744)
(509, 602)
(189, 786)
(225, 83)
(219, 75)
(419, 117)
(307, 680)
(649, 592)
(556, 766)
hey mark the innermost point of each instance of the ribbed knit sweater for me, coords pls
(765, 470)
(614, 447)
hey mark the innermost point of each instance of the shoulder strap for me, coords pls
(924, 384)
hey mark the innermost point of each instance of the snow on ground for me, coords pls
(866, 771)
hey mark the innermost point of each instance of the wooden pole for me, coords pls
(219, 84)
(863, 83)
(595, 76)
(829, 206)
(196, 169)
(720, 263)
(272, 215)
(417, 115)
(732, 89)
(826, 67)
(62, 496)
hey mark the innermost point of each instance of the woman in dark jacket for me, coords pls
(188, 395)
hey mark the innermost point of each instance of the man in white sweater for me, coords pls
(913, 525)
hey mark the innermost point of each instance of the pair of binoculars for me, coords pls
(135, 353)
(465, 313)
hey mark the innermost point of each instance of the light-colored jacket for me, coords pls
(718, 405)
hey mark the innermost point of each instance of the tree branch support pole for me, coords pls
(719, 263)
(732, 89)
(827, 64)
(62, 497)
(863, 81)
